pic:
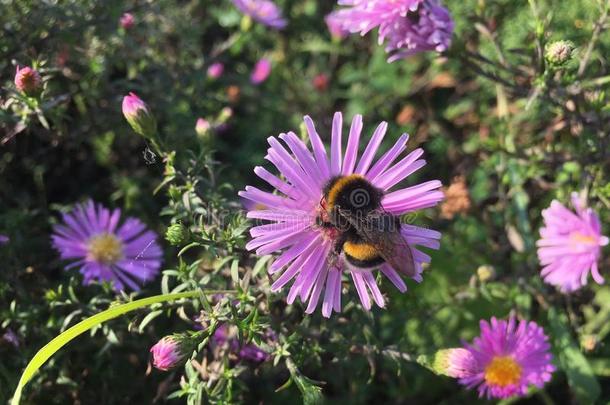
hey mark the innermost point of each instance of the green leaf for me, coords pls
(580, 375)
(60, 341)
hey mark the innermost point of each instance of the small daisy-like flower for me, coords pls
(505, 359)
(308, 250)
(265, 12)
(126, 254)
(28, 80)
(408, 26)
(570, 245)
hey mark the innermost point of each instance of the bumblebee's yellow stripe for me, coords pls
(338, 187)
(360, 251)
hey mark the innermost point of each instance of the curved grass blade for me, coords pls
(61, 340)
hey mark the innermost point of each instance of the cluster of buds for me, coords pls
(28, 81)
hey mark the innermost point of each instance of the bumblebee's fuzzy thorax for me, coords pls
(352, 192)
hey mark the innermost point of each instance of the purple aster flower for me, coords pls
(249, 351)
(126, 254)
(408, 26)
(506, 359)
(263, 11)
(570, 245)
(4, 239)
(261, 71)
(307, 249)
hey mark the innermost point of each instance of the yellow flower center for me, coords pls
(578, 237)
(105, 248)
(502, 371)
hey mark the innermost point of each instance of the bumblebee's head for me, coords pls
(353, 193)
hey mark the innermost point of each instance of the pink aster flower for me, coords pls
(335, 25)
(308, 256)
(215, 70)
(570, 245)
(167, 353)
(407, 26)
(506, 359)
(261, 71)
(28, 80)
(92, 238)
(127, 21)
(265, 12)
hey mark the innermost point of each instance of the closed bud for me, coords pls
(177, 234)
(127, 21)
(456, 362)
(172, 350)
(486, 273)
(202, 127)
(215, 70)
(28, 80)
(559, 52)
(139, 116)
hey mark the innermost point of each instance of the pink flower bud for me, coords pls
(456, 362)
(27, 80)
(139, 116)
(127, 21)
(320, 82)
(261, 71)
(215, 70)
(202, 126)
(167, 353)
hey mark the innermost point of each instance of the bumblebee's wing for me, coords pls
(382, 230)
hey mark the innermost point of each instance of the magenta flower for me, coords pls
(28, 80)
(167, 353)
(91, 237)
(243, 352)
(261, 71)
(263, 11)
(506, 359)
(127, 21)
(570, 245)
(215, 70)
(407, 26)
(335, 25)
(307, 257)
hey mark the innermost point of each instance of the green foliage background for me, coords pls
(517, 152)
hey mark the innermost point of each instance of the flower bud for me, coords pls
(202, 126)
(177, 234)
(261, 71)
(139, 116)
(127, 21)
(454, 363)
(28, 80)
(320, 82)
(168, 352)
(215, 70)
(486, 273)
(559, 52)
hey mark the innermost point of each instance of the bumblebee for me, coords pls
(365, 235)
